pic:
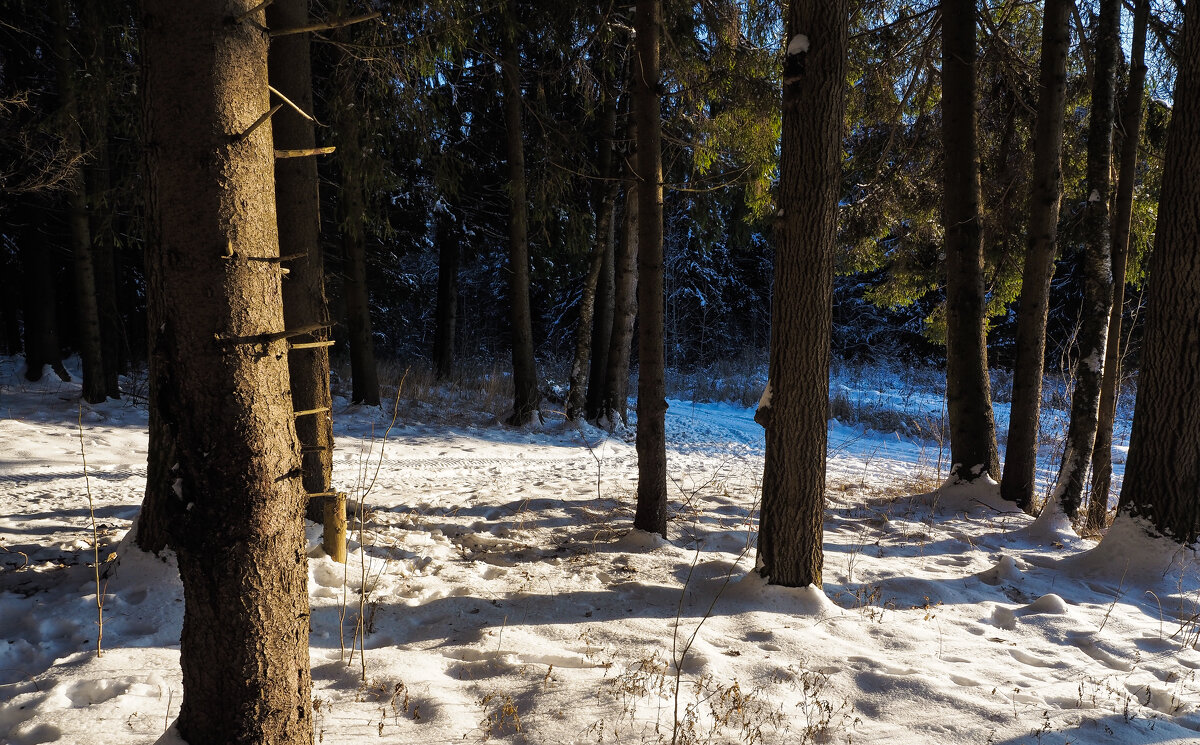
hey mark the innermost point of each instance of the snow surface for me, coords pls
(507, 599)
(798, 45)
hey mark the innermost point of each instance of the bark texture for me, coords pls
(298, 213)
(1131, 127)
(1162, 474)
(1045, 197)
(968, 390)
(1097, 272)
(221, 378)
(651, 514)
(526, 397)
(793, 497)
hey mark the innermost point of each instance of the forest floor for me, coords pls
(495, 591)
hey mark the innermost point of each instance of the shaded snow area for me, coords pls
(505, 598)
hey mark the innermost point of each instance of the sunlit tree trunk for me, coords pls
(793, 493)
(1162, 474)
(651, 515)
(1020, 459)
(219, 363)
(1131, 123)
(1097, 272)
(968, 391)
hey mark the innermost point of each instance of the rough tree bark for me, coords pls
(297, 207)
(88, 333)
(651, 514)
(793, 496)
(1020, 460)
(968, 390)
(1131, 126)
(1162, 474)
(526, 396)
(219, 363)
(1097, 274)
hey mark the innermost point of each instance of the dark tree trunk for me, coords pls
(297, 209)
(602, 326)
(97, 52)
(446, 314)
(10, 304)
(1097, 273)
(968, 391)
(590, 310)
(625, 295)
(221, 377)
(1162, 475)
(353, 216)
(1131, 123)
(88, 334)
(526, 397)
(793, 497)
(1020, 459)
(41, 318)
(651, 515)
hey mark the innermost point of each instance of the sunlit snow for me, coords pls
(508, 600)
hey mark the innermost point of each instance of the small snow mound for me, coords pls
(641, 540)
(1052, 523)
(1005, 570)
(754, 590)
(1048, 603)
(1134, 552)
(980, 495)
(1004, 618)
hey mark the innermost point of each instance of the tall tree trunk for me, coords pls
(526, 397)
(1131, 124)
(94, 390)
(352, 217)
(625, 294)
(221, 377)
(97, 52)
(651, 515)
(1097, 275)
(590, 304)
(1020, 460)
(297, 208)
(1162, 474)
(968, 391)
(793, 491)
(446, 313)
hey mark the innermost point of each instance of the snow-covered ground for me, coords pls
(506, 599)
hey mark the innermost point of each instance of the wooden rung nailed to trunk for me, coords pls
(313, 344)
(281, 154)
(307, 412)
